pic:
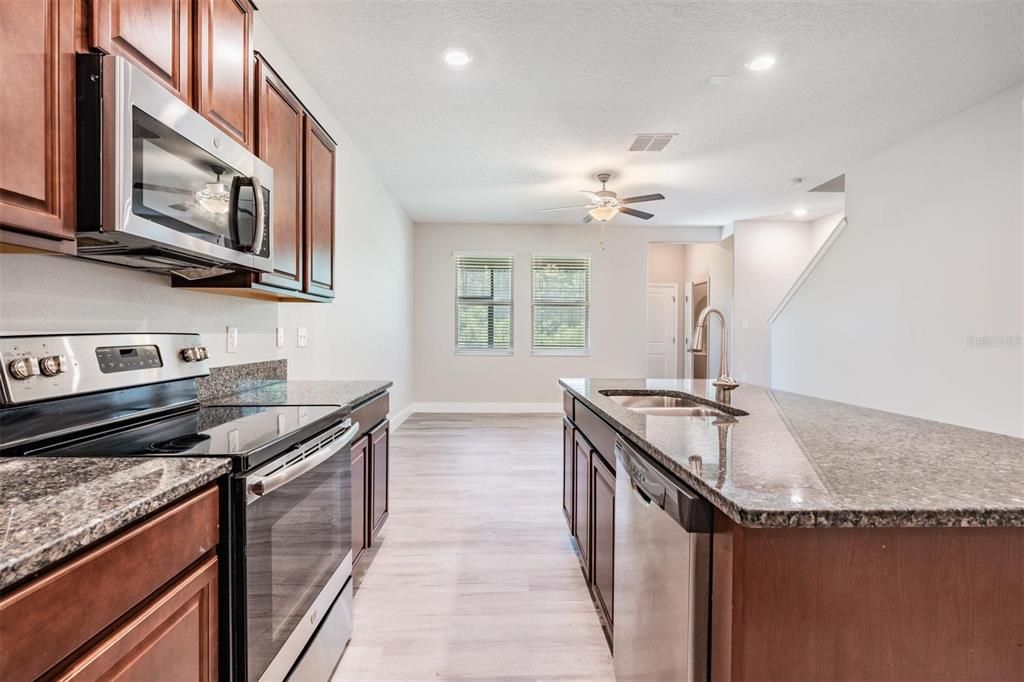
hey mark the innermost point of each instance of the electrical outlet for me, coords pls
(232, 339)
(746, 324)
(302, 337)
(280, 337)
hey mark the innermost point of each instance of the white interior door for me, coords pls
(662, 324)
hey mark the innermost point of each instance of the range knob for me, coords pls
(23, 368)
(202, 353)
(53, 365)
(189, 354)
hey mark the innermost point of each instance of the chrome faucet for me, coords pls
(723, 383)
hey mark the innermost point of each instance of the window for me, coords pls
(561, 304)
(483, 303)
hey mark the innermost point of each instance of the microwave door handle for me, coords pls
(260, 230)
(263, 485)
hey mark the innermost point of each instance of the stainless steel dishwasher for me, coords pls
(662, 572)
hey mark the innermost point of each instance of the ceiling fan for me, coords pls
(605, 204)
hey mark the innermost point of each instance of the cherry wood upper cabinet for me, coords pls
(279, 143)
(224, 56)
(319, 213)
(156, 35)
(37, 123)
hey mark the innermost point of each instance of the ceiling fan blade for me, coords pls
(635, 213)
(587, 218)
(564, 208)
(642, 197)
(590, 195)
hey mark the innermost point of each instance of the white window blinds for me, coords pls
(561, 303)
(483, 303)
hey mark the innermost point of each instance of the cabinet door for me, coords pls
(603, 551)
(567, 472)
(156, 35)
(37, 117)
(319, 212)
(224, 66)
(279, 143)
(360, 461)
(379, 476)
(581, 490)
(175, 637)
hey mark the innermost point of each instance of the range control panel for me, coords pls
(44, 367)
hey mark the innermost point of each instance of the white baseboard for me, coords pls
(490, 408)
(400, 416)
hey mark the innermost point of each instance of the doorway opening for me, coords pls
(682, 279)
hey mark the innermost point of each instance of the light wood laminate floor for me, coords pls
(474, 577)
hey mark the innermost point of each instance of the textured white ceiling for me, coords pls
(557, 89)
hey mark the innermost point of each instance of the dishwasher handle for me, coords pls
(679, 501)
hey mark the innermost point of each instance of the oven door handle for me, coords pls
(263, 485)
(260, 228)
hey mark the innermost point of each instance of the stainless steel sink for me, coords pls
(664, 405)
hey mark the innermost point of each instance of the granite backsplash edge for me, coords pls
(236, 378)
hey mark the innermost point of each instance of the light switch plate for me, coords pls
(232, 339)
(280, 337)
(746, 324)
(302, 337)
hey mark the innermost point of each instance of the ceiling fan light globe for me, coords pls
(603, 213)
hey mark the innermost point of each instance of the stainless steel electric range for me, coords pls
(286, 558)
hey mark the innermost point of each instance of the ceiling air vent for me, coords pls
(651, 142)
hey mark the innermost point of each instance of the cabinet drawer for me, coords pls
(97, 588)
(175, 637)
(597, 432)
(371, 413)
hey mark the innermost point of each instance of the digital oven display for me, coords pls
(126, 358)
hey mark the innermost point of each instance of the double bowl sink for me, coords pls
(667, 405)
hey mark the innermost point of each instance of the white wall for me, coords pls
(929, 263)
(769, 256)
(364, 333)
(618, 309)
(822, 228)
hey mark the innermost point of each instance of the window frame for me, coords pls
(456, 255)
(561, 352)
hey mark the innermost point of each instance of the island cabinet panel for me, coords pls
(581, 502)
(598, 433)
(224, 53)
(279, 144)
(568, 439)
(175, 636)
(867, 603)
(360, 496)
(379, 476)
(37, 124)
(96, 590)
(603, 550)
(156, 35)
(319, 213)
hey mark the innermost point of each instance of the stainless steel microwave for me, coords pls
(160, 188)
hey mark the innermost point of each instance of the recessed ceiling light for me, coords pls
(799, 212)
(761, 62)
(457, 57)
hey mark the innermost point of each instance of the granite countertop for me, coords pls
(797, 461)
(303, 392)
(51, 507)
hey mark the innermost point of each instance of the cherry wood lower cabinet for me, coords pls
(37, 125)
(141, 605)
(379, 476)
(603, 539)
(360, 481)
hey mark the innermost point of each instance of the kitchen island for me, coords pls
(847, 543)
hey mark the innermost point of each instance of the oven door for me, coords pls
(172, 179)
(298, 549)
